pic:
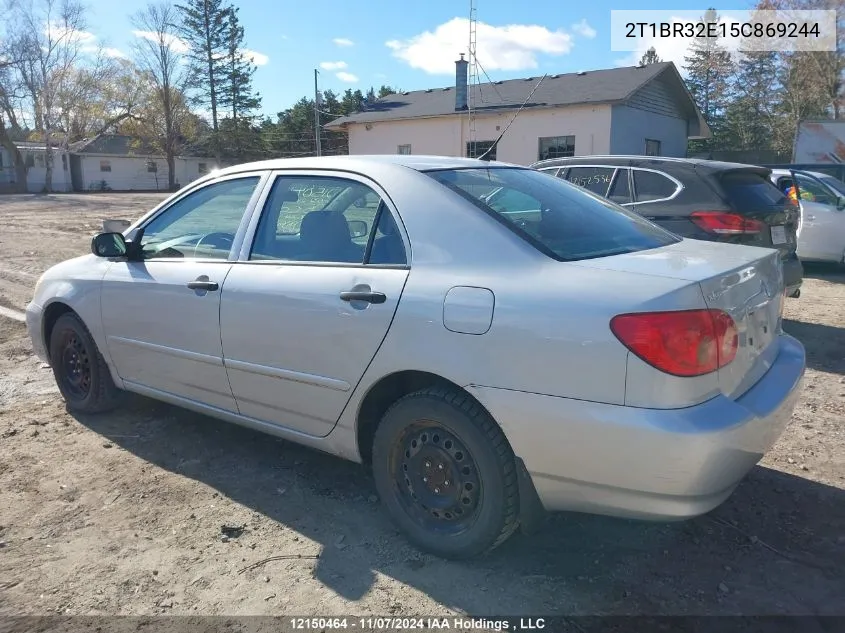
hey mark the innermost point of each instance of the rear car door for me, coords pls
(594, 178)
(306, 308)
(161, 313)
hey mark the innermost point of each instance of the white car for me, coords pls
(557, 351)
(821, 234)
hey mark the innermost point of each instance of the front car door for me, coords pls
(161, 312)
(823, 224)
(306, 308)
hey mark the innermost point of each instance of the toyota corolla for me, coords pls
(490, 356)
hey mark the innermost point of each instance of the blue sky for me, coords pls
(411, 45)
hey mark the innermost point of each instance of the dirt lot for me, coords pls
(122, 514)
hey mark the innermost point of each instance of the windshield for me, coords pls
(834, 183)
(565, 222)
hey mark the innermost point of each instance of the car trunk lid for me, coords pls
(744, 282)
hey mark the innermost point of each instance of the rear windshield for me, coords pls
(750, 190)
(563, 221)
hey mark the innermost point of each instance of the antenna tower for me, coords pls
(473, 72)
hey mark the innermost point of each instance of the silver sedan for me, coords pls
(494, 341)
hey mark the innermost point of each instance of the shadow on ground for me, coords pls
(826, 272)
(775, 546)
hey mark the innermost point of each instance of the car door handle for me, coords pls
(199, 284)
(363, 295)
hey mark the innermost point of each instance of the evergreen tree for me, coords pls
(204, 29)
(650, 57)
(236, 91)
(749, 117)
(710, 69)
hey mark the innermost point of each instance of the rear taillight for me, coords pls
(722, 223)
(681, 343)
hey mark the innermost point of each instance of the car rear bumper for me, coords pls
(793, 274)
(659, 464)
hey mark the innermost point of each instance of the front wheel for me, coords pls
(80, 371)
(446, 474)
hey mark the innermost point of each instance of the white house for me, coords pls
(34, 157)
(633, 110)
(122, 163)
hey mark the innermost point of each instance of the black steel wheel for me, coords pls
(446, 473)
(80, 371)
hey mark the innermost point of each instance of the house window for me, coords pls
(652, 147)
(404, 150)
(64, 162)
(203, 169)
(105, 165)
(152, 166)
(29, 159)
(556, 147)
(476, 149)
(39, 160)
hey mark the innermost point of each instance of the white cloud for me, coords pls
(114, 52)
(259, 59)
(342, 41)
(177, 45)
(347, 77)
(511, 47)
(58, 32)
(332, 65)
(583, 29)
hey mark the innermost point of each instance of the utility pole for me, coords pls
(317, 113)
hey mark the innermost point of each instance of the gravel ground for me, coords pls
(122, 513)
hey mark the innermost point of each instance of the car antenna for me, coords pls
(486, 155)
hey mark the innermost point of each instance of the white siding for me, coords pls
(448, 135)
(130, 173)
(36, 176)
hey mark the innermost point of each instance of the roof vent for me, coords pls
(529, 79)
(406, 93)
(555, 76)
(581, 73)
(446, 89)
(429, 90)
(499, 83)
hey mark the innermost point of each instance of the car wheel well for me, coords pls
(387, 391)
(51, 314)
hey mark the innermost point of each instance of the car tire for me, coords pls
(446, 473)
(80, 371)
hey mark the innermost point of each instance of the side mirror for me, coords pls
(840, 204)
(358, 228)
(109, 245)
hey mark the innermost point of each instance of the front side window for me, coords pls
(596, 179)
(556, 147)
(811, 189)
(326, 219)
(562, 221)
(200, 225)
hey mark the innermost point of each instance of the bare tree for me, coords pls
(10, 99)
(48, 36)
(159, 53)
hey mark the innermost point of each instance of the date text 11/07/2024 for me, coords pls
(395, 624)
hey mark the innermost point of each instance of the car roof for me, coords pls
(639, 160)
(362, 161)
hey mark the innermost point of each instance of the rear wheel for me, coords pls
(446, 473)
(80, 371)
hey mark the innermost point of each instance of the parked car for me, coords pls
(822, 199)
(701, 199)
(557, 352)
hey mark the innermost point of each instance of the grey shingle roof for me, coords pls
(595, 86)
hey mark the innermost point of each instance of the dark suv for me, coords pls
(700, 199)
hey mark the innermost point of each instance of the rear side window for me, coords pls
(750, 190)
(562, 221)
(651, 185)
(596, 179)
